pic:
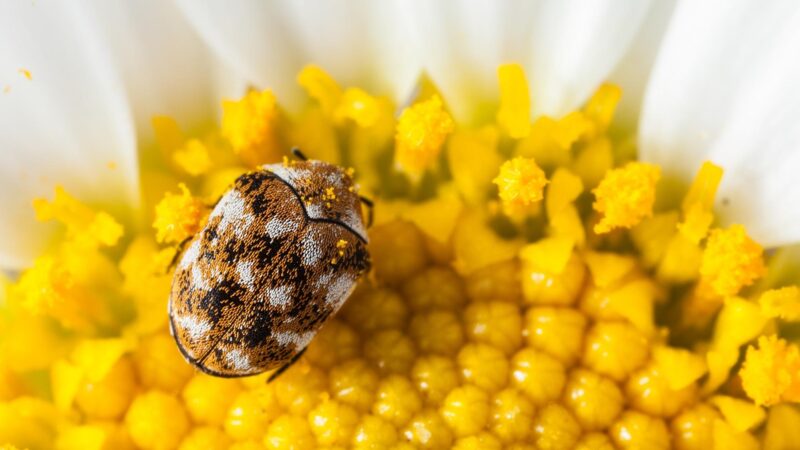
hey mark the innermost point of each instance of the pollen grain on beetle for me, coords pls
(531, 287)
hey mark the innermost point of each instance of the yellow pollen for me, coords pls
(771, 372)
(473, 329)
(731, 261)
(358, 106)
(515, 104)
(783, 303)
(249, 124)
(193, 158)
(178, 216)
(421, 131)
(321, 87)
(26, 73)
(625, 196)
(520, 183)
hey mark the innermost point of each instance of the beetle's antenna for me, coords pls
(298, 154)
(370, 206)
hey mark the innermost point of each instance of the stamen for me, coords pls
(625, 196)
(178, 216)
(193, 158)
(771, 372)
(421, 131)
(321, 87)
(249, 124)
(731, 261)
(783, 303)
(515, 104)
(520, 183)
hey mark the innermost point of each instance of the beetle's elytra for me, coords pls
(280, 253)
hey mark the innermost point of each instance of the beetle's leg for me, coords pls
(286, 366)
(178, 251)
(298, 154)
(370, 207)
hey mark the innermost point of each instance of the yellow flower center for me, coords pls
(525, 293)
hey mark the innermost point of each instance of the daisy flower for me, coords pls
(585, 227)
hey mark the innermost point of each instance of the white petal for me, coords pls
(462, 42)
(575, 46)
(724, 88)
(252, 38)
(64, 126)
(633, 71)
(267, 43)
(567, 47)
(164, 64)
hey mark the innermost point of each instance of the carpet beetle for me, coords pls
(280, 253)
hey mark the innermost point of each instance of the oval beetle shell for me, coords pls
(281, 252)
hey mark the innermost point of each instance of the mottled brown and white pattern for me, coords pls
(281, 252)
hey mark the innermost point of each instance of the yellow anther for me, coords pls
(520, 183)
(679, 367)
(178, 216)
(697, 205)
(421, 131)
(601, 107)
(515, 102)
(358, 106)
(321, 87)
(771, 372)
(193, 157)
(551, 255)
(249, 124)
(26, 73)
(625, 196)
(84, 226)
(731, 261)
(743, 415)
(783, 303)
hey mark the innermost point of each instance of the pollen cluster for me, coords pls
(531, 288)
